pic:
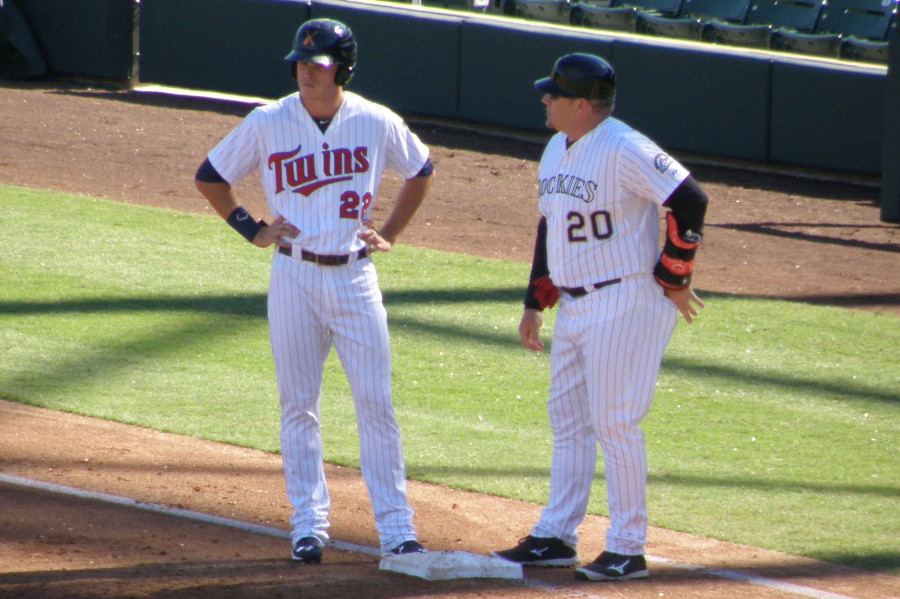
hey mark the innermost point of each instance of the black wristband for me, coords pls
(241, 221)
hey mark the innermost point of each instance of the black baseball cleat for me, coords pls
(307, 550)
(408, 547)
(539, 551)
(614, 566)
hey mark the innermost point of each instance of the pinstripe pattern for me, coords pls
(311, 308)
(303, 154)
(325, 184)
(600, 198)
(609, 179)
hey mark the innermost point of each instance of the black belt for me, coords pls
(583, 291)
(324, 259)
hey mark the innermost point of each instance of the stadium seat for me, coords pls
(864, 19)
(856, 47)
(731, 34)
(552, 11)
(449, 4)
(666, 8)
(730, 11)
(763, 17)
(827, 45)
(618, 18)
(680, 27)
(851, 29)
(694, 15)
(795, 15)
(866, 50)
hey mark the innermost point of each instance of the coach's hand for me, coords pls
(684, 300)
(530, 329)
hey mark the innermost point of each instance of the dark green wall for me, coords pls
(700, 101)
(830, 118)
(233, 46)
(408, 60)
(501, 61)
(771, 108)
(90, 38)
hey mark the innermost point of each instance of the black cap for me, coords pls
(580, 76)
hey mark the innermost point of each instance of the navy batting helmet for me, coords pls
(580, 76)
(326, 43)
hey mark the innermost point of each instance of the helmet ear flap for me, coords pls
(343, 75)
(346, 52)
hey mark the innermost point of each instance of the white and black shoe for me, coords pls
(614, 566)
(307, 550)
(541, 551)
(408, 547)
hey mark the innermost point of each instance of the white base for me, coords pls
(447, 565)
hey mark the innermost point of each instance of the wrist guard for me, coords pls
(676, 262)
(241, 221)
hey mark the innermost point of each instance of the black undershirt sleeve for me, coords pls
(539, 266)
(688, 205)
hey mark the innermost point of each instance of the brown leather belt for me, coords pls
(324, 259)
(583, 291)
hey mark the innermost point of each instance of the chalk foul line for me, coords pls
(271, 531)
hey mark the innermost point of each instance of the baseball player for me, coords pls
(320, 154)
(597, 253)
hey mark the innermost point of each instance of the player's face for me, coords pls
(315, 80)
(560, 111)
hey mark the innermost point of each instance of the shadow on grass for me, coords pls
(159, 341)
(422, 471)
(773, 380)
(253, 304)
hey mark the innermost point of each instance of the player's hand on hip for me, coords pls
(280, 232)
(530, 329)
(684, 300)
(374, 241)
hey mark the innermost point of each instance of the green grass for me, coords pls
(775, 424)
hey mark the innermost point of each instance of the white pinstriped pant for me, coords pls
(605, 359)
(310, 308)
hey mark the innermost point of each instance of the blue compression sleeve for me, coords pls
(208, 173)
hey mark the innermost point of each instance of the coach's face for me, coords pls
(560, 111)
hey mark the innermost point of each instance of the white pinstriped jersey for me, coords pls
(600, 198)
(323, 183)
